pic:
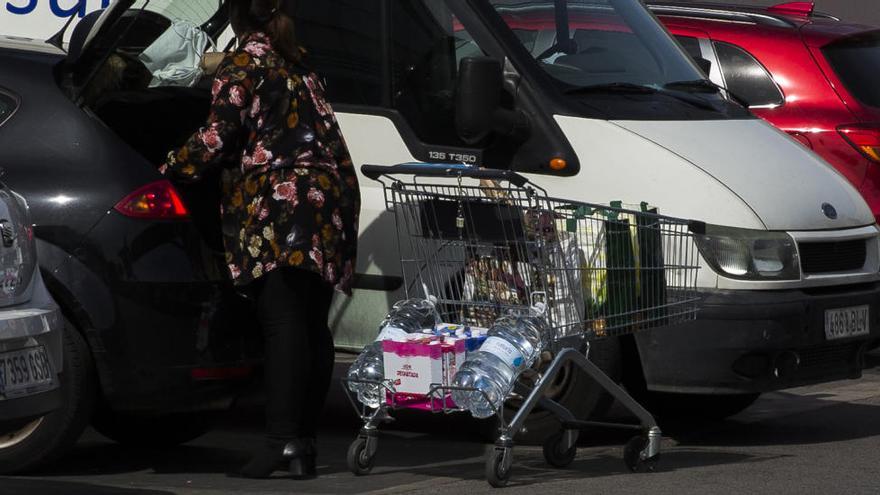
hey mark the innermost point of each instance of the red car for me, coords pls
(807, 73)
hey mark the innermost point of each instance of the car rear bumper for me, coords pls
(37, 323)
(754, 341)
(190, 347)
(31, 406)
(167, 330)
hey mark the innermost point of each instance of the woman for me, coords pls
(290, 212)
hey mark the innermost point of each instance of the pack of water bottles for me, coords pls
(414, 366)
(475, 368)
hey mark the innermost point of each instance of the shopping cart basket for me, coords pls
(488, 242)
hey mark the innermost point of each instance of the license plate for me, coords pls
(846, 322)
(24, 372)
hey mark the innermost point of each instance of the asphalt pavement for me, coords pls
(819, 439)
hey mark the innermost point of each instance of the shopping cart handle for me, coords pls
(443, 170)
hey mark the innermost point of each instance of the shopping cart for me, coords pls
(488, 242)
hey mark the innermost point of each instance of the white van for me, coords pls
(791, 257)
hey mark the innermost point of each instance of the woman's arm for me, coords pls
(219, 140)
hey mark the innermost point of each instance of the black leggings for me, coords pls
(293, 307)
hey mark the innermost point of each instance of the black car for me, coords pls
(135, 263)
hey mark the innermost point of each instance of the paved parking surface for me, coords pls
(821, 439)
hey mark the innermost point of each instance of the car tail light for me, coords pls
(158, 200)
(865, 138)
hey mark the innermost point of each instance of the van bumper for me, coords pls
(759, 341)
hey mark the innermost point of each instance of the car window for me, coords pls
(745, 77)
(855, 60)
(428, 43)
(691, 46)
(345, 40)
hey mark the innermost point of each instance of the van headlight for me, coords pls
(746, 254)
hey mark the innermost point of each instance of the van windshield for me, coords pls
(593, 43)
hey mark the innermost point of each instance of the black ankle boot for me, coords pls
(301, 455)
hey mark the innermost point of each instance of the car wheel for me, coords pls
(150, 431)
(28, 444)
(573, 389)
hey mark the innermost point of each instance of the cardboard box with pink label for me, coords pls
(421, 361)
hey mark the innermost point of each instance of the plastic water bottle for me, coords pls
(409, 316)
(513, 343)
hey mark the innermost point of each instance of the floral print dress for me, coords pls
(290, 192)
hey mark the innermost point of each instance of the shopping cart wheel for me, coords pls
(632, 455)
(498, 466)
(359, 459)
(555, 452)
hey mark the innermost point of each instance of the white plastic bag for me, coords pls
(175, 56)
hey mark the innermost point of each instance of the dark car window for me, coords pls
(428, 43)
(343, 39)
(691, 46)
(746, 77)
(856, 61)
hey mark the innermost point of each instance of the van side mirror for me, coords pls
(704, 64)
(478, 110)
(477, 96)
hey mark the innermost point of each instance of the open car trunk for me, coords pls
(103, 73)
(154, 120)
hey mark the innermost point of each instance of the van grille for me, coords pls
(827, 257)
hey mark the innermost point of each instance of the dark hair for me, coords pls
(271, 17)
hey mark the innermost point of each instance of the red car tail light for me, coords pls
(158, 200)
(865, 138)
